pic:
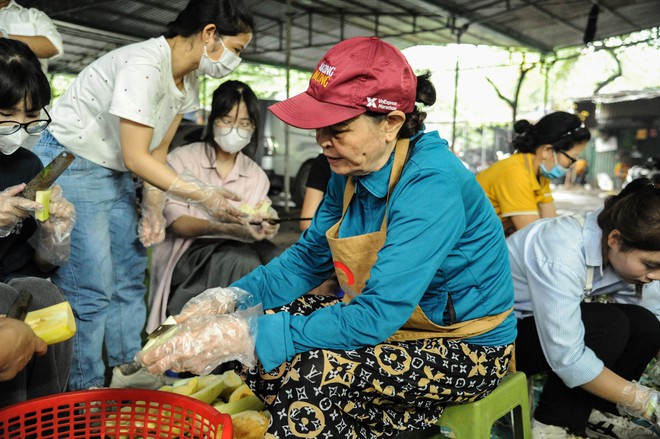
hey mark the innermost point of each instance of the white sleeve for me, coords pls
(45, 27)
(135, 90)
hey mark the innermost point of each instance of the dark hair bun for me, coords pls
(522, 126)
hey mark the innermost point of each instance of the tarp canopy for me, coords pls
(93, 27)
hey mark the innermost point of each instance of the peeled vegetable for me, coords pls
(251, 210)
(228, 394)
(164, 336)
(250, 424)
(52, 324)
(43, 198)
(240, 400)
(206, 388)
(251, 402)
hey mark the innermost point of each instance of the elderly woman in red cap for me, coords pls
(426, 317)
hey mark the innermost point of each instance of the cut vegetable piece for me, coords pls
(251, 402)
(52, 324)
(250, 425)
(166, 331)
(232, 382)
(241, 392)
(187, 389)
(43, 198)
(209, 388)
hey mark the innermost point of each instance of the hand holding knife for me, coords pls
(274, 221)
(19, 308)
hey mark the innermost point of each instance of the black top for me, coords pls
(320, 173)
(16, 255)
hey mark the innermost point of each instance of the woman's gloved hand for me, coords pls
(640, 401)
(200, 344)
(269, 228)
(152, 223)
(244, 232)
(52, 241)
(214, 301)
(14, 209)
(212, 199)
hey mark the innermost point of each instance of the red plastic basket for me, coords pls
(114, 413)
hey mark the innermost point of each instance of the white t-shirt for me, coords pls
(134, 82)
(30, 22)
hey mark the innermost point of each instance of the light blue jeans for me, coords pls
(104, 277)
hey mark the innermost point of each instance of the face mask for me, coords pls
(557, 170)
(227, 63)
(11, 142)
(232, 143)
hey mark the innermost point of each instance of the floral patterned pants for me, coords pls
(376, 391)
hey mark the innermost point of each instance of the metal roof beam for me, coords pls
(473, 18)
(609, 10)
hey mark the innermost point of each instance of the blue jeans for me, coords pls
(104, 277)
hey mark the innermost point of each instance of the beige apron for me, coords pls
(354, 256)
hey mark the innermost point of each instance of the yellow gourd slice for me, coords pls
(52, 324)
(43, 198)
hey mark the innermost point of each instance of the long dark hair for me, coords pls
(560, 129)
(635, 213)
(415, 119)
(228, 94)
(231, 17)
(21, 77)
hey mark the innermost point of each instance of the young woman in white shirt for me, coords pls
(119, 117)
(570, 275)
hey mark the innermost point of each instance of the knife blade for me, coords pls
(282, 220)
(44, 179)
(19, 307)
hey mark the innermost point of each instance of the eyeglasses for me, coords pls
(573, 160)
(33, 127)
(244, 128)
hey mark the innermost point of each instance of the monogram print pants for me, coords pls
(376, 391)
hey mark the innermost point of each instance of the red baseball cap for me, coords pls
(357, 75)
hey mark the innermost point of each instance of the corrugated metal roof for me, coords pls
(92, 27)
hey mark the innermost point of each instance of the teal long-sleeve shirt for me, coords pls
(443, 238)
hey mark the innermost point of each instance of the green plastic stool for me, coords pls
(475, 420)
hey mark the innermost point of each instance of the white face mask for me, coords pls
(232, 142)
(227, 63)
(9, 143)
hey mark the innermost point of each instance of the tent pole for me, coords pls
(456, 71)
(287, 179)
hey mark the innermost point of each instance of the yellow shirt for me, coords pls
(513, 188)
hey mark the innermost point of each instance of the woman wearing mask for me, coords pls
(30, 250)
(567, 271)
(425, 320)
(519, 187)
(198, 252)
(118, 118)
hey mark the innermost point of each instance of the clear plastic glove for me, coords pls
(213, 199)
(261, 220)
(52, 240)
(269, 228)
(152, 223)
(14, 209)
(200, 344)
(641, 402)
(215, 301)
